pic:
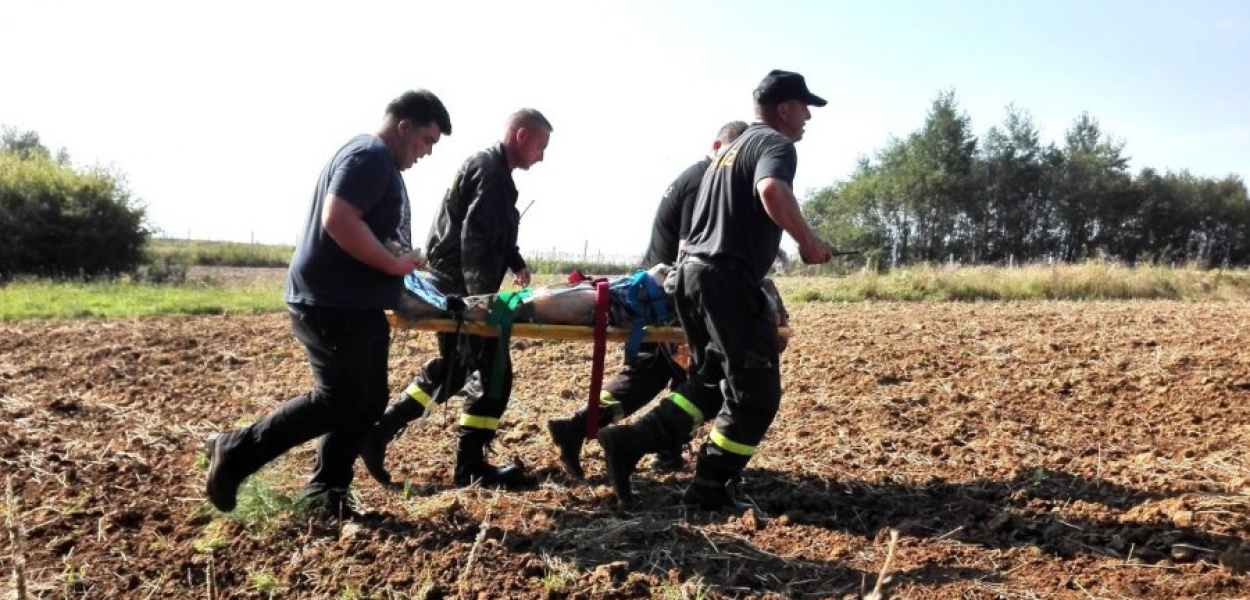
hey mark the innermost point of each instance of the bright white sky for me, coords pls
(221, 114)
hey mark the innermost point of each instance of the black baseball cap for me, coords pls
(779, 86)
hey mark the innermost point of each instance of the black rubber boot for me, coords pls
(713, 496)
(624, 445)
(471, 465)
(717, 483)
(568, 435)
(393, 421)
(669, 460)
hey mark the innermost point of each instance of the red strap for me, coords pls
(596, 365)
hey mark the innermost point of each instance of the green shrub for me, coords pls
(59, 222)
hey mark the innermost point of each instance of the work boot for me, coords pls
(717, 483)
(223, 482)
(568, 435)
(624, 445)
(713, 495)
(393, 421)
(471, 465)
(669, 460)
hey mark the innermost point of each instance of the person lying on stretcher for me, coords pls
(639, 295)
(563, 303)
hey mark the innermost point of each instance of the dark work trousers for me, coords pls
(637, 384)
(458, 357)
(735, 361)
(347, 351)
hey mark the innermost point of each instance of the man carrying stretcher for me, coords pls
(472, 245)
(654, 368)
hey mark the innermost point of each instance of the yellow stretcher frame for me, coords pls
(544, 331)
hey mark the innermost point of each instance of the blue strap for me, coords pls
(655, 299)
(420, 285)
(645, 301)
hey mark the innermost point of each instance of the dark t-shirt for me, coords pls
(672, 218)
(729, 221)
(362, 172)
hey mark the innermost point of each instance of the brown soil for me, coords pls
(1031, 450)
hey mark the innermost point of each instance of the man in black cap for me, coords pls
(654, 367)
(745, 201)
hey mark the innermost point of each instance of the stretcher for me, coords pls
(659, 334)
(634, 300)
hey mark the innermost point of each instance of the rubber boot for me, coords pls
(624, 445)
(393, 421)
(671, 459)
(717, 483)
(568, 435)
(471, 465)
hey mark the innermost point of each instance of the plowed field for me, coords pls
(1030, 450)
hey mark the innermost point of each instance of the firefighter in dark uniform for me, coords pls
(654, 368)
(745, 202)
(472, 244)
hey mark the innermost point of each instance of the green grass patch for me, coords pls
(128, 298)
(262, 507)
(1090, 281)
(122, 299)
(265, 583)
(262, 504)
(559, 575)
(217, 254)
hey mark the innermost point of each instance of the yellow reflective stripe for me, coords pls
(685, 404)
(476, 422)
(729, 445)
(611, 406)
(416, 393)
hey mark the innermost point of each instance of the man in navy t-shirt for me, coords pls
(745, 201)
(341, 280)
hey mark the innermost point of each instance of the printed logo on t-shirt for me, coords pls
(727, 159)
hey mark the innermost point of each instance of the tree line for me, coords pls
(58, 221)
(942, 194)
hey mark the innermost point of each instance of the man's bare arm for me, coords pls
(783, 208)
(345, 224)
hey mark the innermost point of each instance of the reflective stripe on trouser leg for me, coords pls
(476, 422)
(415, 392)
(731, 446)
(687, 407)
(610, 408)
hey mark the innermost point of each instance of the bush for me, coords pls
(58, 222)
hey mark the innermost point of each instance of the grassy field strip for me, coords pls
(35, 300)
(263, 293)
